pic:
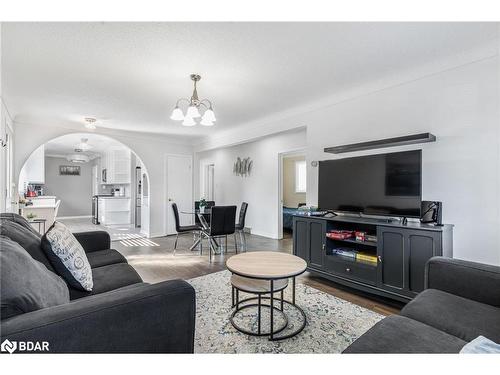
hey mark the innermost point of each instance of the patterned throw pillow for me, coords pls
(68, 257)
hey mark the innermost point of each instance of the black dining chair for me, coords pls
(182, 229)
(240, 226)
(222, 224)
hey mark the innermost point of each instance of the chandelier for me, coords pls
(193, 109)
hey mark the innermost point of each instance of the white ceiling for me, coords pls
(65, 145)
(129, 75)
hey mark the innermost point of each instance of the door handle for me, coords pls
(379, 258)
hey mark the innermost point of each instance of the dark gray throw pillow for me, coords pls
(26, 284)
(28, 241)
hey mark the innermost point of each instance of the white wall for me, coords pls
(260, 189)
(460, 106)
(149, 148)
(75, 192)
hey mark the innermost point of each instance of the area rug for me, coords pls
(332, 323)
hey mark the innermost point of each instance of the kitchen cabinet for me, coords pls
(116, 166)
(34, 168)
(114, 210)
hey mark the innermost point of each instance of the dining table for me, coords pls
(202, 217)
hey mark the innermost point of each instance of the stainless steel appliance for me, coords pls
(95, 210)
(138, 196)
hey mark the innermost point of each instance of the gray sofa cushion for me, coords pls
(398, 334)
(26, 284)
(28, 241)
(108, 278)
(16, 218)
(455, 315)
(101, 258)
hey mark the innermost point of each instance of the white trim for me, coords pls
(264, 234)
(165, 184)
(74, 217)
(281, 155)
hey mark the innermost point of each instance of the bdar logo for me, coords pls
(8, 346)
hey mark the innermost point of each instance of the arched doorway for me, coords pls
(89, 181)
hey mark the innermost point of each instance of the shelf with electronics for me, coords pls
(384, 257)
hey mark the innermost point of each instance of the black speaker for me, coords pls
(431, 212)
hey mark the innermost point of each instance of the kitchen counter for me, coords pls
(111, 197)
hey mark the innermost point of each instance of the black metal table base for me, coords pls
(259, 320)
(272, 332)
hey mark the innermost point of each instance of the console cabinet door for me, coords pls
(309, 241)
(301, 238)
(317, 243)
(422, 245)
(392, 255)
(403, 254)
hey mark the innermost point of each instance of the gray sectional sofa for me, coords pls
(461, 302)
(121, 314)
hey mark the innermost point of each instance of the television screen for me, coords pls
(384, 184)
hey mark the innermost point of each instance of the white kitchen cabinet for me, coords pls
(34, 168)
(116, 166)
(114, 210)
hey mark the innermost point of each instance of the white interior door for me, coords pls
(179, 189)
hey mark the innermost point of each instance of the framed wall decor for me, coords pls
(69, 170)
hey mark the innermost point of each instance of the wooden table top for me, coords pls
(266, 265)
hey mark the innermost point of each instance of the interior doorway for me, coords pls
(208, 189)
(179, 175)
(292, 188)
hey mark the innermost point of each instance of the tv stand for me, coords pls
(398, 255)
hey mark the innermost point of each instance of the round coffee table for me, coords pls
(269, 270)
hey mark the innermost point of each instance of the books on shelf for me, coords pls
(345, 252)
(366, 257)
(355, 255)
(340, 234)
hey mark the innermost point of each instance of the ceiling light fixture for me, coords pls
(77, 158)
(83, 145)
(90, 123)
(193, 109)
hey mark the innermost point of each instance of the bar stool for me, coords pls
(260, 288)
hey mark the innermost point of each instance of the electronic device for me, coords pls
(382, 184)
(432, 212)
(326, 213)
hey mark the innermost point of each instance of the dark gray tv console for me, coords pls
(401, 250)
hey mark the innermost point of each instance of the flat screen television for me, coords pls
(383, 184)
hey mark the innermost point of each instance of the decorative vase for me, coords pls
(202, 209)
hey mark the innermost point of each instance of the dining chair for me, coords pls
(222, 224)
(240, 226)
(182, 229)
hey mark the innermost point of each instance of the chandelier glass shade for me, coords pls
(196, 109)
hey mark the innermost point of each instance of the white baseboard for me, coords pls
(74, 217)
(264, 234)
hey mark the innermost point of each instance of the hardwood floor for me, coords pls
(157, 262)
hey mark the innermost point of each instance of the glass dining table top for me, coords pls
(207, 211)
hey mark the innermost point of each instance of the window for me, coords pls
(300, 176)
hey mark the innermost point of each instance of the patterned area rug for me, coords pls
(332, 323)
